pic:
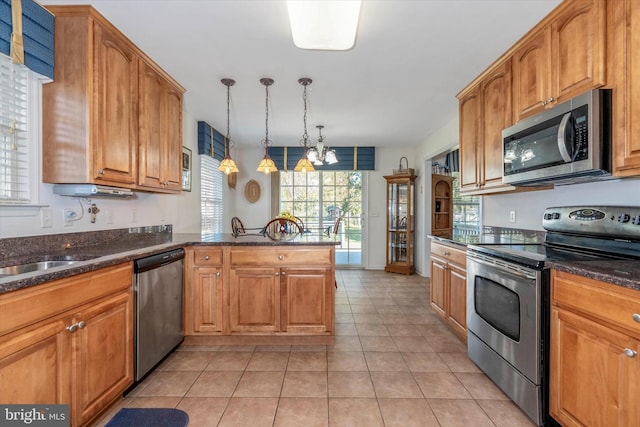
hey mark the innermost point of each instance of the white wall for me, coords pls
(182, 210)
(252, 215)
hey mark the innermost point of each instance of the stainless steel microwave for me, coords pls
(566, 144)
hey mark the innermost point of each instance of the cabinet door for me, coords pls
(114, 124)
(254, 299)
(34, 364)
(470, 140)
(103, 355)
(206, 304)
(457, 315)
(306, 300)
(172, 161)
(578, 40)
(438, 285)
(592, 381)
(531, 75)
(497, 114)
(152, 139)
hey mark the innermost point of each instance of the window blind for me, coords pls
(211, 196)
(210, 140)
(349, 158)
(14, 148)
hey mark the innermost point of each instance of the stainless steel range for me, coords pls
(508, 295)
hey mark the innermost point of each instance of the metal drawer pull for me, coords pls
(630, 353)
(206, 257)
(636, 317)
(284, 273)
(277, 274)
(72, 328)
(280, 257)
(81, 324)
(218, 274)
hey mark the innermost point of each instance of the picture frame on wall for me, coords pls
(186, 169)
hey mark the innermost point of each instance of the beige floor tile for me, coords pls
(281, 348)
(371, 329)
(346, 343)
(446, 344)
(395, 385)
(350, 384)
(407, 413)
(309, 347)
(215, 384)
(360, 300)
(344, 318)
(405, 330)
(152, 402)
(354, 412)
(268, 361)
(378, 343)
(363, 309)
(385, 361)
(413, 344)
(367, 318)
(440, 385)
(305, 384)
(480, 386)
(459, 413)
(459, 362)
(425, 362)
(250, 348)
(169, 383)
(302, 411)
(389, 309)
(346, 361)
(343, 308)
(346, 329)
(204, 411)
(381, 302)
(249, 411)
(505, 413)
(395, 319)
(185, 347)
(229, 361)
(260, 384)
(186, 361)
(308, 361)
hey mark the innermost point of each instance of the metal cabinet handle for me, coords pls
(72, 328)
(280, 257)
(101, 172)
(446, 253)
(206, 257)
(283, 273)
(217, 274)
(277, 274)
(636, 317)
(81, 324)
(550, 100)
(630, 353)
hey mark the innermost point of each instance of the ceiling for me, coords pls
(396, 86)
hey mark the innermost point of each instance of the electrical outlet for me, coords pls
(68, 217)
(134, 215)
(46, 217)
(512, 216)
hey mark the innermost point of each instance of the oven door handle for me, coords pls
(512, 269)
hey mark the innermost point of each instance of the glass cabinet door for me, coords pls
(400, 224)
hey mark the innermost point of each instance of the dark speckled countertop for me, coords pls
(95, 250)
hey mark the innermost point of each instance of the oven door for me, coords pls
(504, 310)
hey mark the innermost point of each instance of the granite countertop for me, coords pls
(104, 249)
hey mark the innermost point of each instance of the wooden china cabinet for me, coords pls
(442, 205)
(400, 224)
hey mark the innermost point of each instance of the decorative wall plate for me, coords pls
(252, 191)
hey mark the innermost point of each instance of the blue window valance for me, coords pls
(37, 31)
(349, 158)
(210, 141)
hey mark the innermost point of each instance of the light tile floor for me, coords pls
(393, 364)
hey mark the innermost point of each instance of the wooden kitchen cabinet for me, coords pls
(442, 205)
(254, 299)
(69, 341)
(485, 109)
(562, 57)
(98, 108)
(306, 300)
(594, 366)
(203, 290)
(448, 286)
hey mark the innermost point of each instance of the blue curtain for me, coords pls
(37, 30)
(349, 158)
(210, 139)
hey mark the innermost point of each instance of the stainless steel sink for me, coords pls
(32, 266)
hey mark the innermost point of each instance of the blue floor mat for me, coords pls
(149, 417)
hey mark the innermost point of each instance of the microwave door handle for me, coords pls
(562, 142)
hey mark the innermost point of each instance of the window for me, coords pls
(211, 196)
(18, 145)
(466, 214)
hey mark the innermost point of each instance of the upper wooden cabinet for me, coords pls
(97, 109)
(562, 58)
(485, 110)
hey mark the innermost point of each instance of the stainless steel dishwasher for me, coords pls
(158, 295)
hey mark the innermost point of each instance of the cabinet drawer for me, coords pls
(455, 256)
(207, 257)
(279, 256)
(603, 301)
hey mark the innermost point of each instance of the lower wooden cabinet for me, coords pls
(595, 341)
(448, 288)
(70, 342)
(254, 299)
(307, 300)
(203, 291)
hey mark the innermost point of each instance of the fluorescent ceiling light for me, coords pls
(324, 24)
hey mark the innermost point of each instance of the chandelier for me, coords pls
(227, 165)
(266, 164)
(321, 153)
(304, 165)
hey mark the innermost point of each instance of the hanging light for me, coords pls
(304, 165)
(321, 153)
(266, 164)
(227, 165)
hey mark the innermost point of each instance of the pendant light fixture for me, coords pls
(321, 153)
(304, 165)
(227, 165)
(266, 164)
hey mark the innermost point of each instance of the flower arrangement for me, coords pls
(287, 215)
